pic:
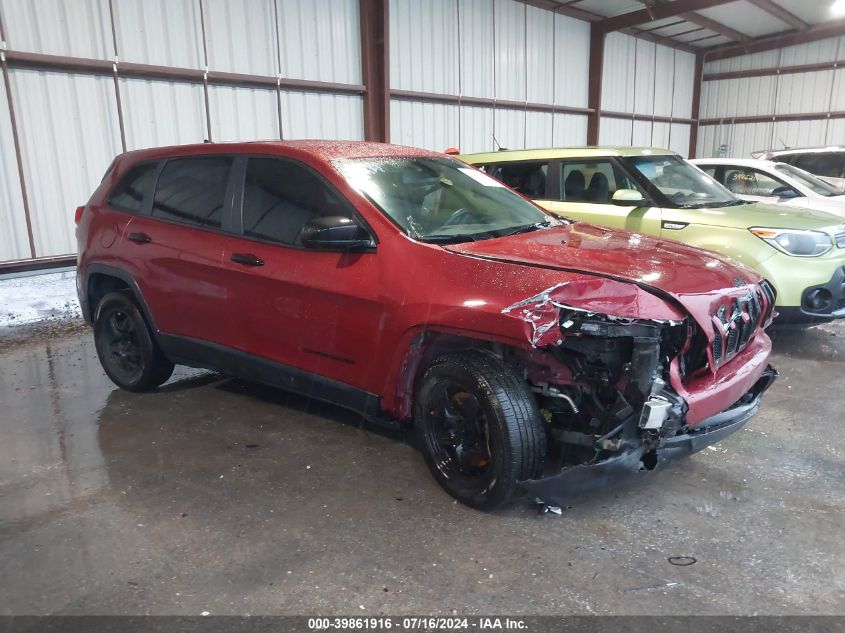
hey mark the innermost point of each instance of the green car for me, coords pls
(801, 252)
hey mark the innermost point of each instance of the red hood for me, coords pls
(699, 280)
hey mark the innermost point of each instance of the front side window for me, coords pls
(281, 196)
(681, 184)
(744, 181)
(192, 191)
(816, 185)
(442, 200)
(529, 178)
(130, 192)
(592, 181)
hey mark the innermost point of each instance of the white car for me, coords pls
(776, 183)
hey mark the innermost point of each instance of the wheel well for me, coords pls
(99, 285)
(424, 348)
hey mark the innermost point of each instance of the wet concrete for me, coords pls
(217, 495)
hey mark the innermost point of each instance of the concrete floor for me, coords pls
(216, 495)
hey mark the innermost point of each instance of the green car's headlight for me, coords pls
(794, 242)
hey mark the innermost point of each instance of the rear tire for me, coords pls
(125, 345)
(479, 428)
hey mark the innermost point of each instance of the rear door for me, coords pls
(307, 308)
(585, 192)
(177, 245)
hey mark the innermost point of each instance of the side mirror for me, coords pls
(785, 193)
(628, 198)
(335, 232)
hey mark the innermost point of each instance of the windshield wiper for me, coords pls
(713, 205)
(526, 228)
(447, 239)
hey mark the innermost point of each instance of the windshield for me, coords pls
(816, 185)
(684, 185)
(442, 200)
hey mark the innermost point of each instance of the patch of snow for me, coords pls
(34, 298)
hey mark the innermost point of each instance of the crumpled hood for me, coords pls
(699, 280)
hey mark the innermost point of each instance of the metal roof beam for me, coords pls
(716, 27)
(658, 12)
(781, 14)
(833, 28)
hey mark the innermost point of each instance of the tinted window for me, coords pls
(136, 184)
(821, 163)
(281, 196)
(592, 181)
(529, 179)
(192, 191)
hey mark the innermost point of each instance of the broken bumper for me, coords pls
(562, 488)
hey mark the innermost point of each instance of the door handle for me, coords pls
(247, 259)
(139, 238)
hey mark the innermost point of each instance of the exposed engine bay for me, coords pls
(615, 396)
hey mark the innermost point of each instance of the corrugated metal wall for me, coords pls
(649, 80)
(815, 92)
(68, 122)
(476, 74)
(505, 50)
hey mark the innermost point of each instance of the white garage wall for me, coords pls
(78, 28)
(816, 92)
(647, 79)
(157, 113)
(492, 49)
(14, 242)
(311, 115)
(239, 113)
(68, 131)
(68, 122)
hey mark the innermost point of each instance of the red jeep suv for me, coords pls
(528, 352)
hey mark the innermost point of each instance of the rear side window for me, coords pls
(192, 191)
(529, 179)
(135, 186)
(281, 196)
(827, 164)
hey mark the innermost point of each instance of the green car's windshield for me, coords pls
(816, 185)
(684, 185)
(441, 199)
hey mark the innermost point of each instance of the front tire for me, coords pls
(479, 428)
(126, 347)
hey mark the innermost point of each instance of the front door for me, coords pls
(316, 310)
(586, 191)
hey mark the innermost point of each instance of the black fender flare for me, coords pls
(125, 277)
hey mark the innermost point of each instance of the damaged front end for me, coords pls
(604, 384)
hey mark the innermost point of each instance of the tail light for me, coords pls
(78, 215)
